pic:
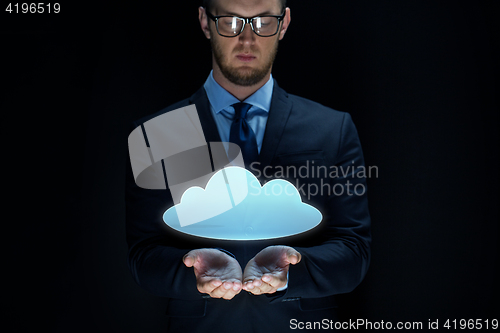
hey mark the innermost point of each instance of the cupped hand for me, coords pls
(217, 273)
(267, 271)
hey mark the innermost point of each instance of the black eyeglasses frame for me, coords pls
(245, 21)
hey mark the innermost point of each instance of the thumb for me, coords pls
(293, 256)
(190, 258)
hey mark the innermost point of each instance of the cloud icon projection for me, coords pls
(214, 197)
(234, 206)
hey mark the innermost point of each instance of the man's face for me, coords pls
(247, 59)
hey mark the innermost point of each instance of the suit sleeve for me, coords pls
(339, 263)
(155, 256)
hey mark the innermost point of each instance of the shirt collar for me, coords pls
(221, 99)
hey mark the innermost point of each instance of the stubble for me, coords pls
(242, 76)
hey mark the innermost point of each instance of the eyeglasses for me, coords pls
(232, 26)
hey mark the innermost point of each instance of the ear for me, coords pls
(202, 16)
(285, 24)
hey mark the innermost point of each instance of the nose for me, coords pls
(247, 35)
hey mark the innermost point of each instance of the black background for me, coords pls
(420, 79)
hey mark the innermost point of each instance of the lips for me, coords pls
(245, 57)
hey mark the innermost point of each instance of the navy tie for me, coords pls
(242, 134)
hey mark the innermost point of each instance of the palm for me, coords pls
(267, 271)
(271, 260)
(217, 265)
(217, 274)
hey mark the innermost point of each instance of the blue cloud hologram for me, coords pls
(234, 206)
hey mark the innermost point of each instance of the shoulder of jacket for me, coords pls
(301, 104)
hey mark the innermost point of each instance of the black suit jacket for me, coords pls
(335, 255)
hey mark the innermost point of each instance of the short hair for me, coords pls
(207, 3)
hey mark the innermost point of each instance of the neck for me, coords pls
(240, 92)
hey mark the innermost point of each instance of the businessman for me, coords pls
(257, 286)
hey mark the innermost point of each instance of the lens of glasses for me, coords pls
(229, 26)
(263, 26)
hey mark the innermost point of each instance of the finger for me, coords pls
(266, 288)
(190, 258)
(263, 289)
(220, 291)
(231, 293)
(251, 284)
(256, 286)
(247, 285)
(237, 286)
(207, 287)
(234, 286)
(255, 291)
(274, 281)
(293, 256)
(257, 283)
(248, 279)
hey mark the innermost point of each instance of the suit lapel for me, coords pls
(206, 119)
(281, 107)
(279, 113)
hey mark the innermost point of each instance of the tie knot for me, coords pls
(240, 110)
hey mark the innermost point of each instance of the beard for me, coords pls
(242, 76)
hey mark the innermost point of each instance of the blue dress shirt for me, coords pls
(223, 113)
(220, 105)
